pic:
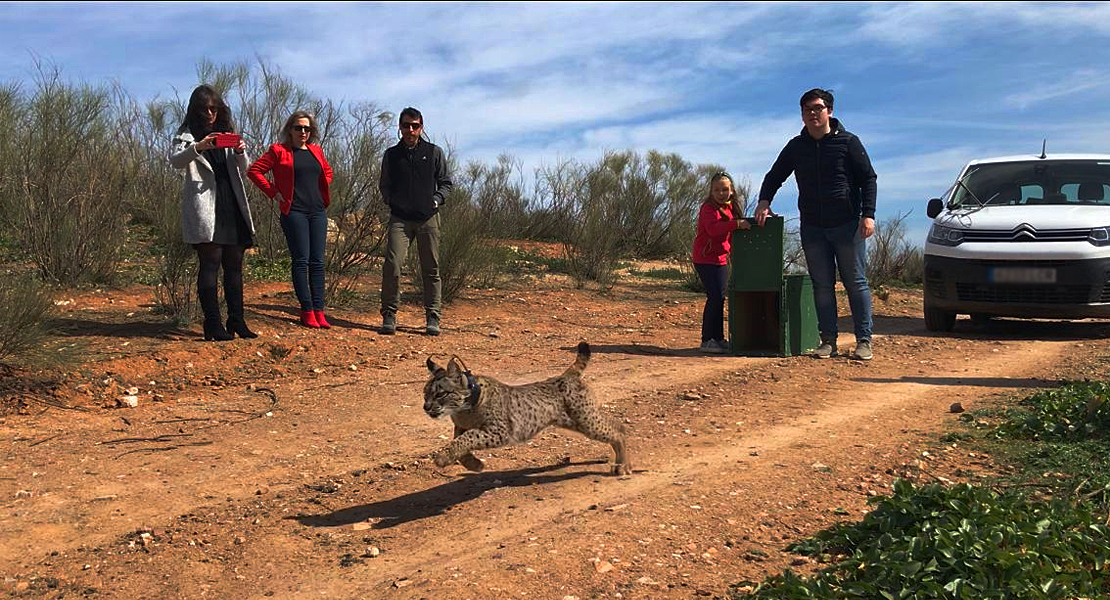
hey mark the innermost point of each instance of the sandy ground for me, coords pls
(296, 465)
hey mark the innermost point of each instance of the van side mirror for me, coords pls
(934, 208)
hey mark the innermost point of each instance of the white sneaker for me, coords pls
(713, 347)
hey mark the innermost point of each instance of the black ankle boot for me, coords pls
(215, 332)
(210, 304)
(233, 296)
(237, 326)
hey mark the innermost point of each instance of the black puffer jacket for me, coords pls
(414, 181)
(836, 182)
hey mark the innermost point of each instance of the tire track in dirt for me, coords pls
(110, 494)
(458, 541)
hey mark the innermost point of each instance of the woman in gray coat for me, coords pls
(215, 216)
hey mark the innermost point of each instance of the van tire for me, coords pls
(939, 320)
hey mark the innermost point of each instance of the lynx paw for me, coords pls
(622, 469)
(441, 459)
(472, 463)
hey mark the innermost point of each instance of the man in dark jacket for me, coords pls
(836, 202)
(414, 183)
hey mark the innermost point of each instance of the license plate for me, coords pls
(1022, 275)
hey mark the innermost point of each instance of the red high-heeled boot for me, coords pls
(308, 319)
(321, 321)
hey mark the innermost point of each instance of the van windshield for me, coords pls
(1035, 182)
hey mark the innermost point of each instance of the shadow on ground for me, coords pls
(438, 500)
(997, 328)
(640, 350)
(69, 327)
(990, 382)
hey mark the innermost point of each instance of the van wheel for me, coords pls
(939, 320)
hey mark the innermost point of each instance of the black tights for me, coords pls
(212, 257)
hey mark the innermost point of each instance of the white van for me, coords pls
(1021, 236)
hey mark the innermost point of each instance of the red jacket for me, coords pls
(279, 159)
(715, 223)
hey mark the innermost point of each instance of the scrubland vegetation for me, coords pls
(85, 187)
(1039, 531)
(85, 190)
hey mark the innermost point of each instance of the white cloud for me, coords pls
(919, 25)
(1083, 81)
(925, 85)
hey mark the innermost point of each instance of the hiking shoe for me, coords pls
(723, 346)
(432, 327)
(389, 325)
(825, 350)
(863, 350)
(712, 347)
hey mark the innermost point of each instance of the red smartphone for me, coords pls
(227, 140)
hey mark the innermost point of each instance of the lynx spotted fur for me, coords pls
(491, 414)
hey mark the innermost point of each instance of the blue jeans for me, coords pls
(307, 233)
(827, 250)
(715, 278)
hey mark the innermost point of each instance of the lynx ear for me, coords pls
(433, 368)
(453, 368)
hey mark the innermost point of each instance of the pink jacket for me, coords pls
(715, 223)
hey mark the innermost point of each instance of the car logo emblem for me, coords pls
(1024, 232)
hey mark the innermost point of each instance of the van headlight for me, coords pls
(946, 236)
(1100, 236)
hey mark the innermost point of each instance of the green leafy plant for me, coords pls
(1075, 411)
(673, 273)
(959, 542)
(258, 267)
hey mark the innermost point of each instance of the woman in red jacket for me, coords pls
(718, 218)
(301, 176)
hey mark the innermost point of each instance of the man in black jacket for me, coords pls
(414, 183)
(836, 202)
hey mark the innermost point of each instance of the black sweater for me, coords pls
(836, 182)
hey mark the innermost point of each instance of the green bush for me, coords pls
(467, 254)
(625, 205)
(1043, 536)
(891, 258)
(64, 176)
(1076, 411)
(27, 307)
(155, 200)
(354, 148)
(672, 273)
(955, 543)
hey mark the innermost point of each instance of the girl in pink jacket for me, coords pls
(718, 218)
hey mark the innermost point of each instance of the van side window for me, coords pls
(1032, 194)
(1086, 192)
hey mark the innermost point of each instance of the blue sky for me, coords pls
(925, 86)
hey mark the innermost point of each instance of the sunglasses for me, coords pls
(412, 126)
(303, 128)
(815, 108)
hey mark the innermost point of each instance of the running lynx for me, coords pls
(491, 414)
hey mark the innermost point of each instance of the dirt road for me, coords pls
(295, 465)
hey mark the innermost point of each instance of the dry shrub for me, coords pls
(64, 179)
(891, 259)
(467, 252)
(27, 307)
(155, 200)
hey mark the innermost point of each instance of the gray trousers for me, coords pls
(401, 234)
